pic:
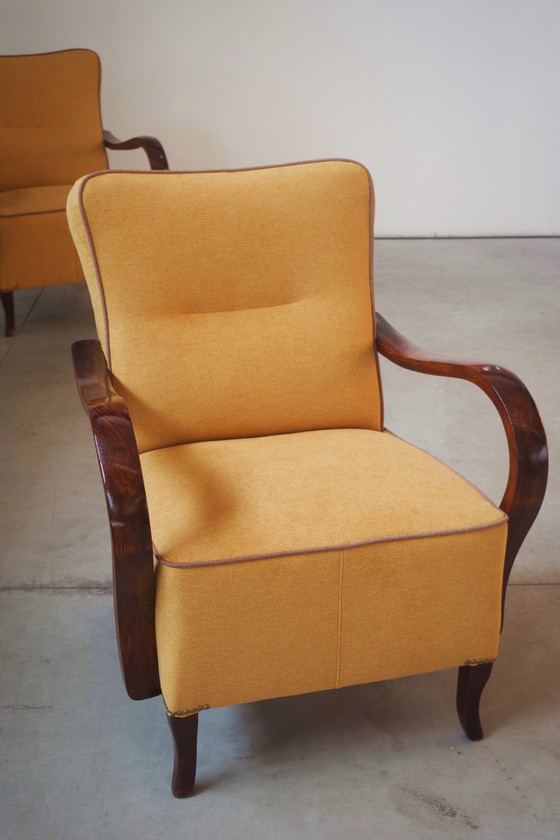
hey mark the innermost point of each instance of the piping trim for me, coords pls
(31, 213)
(52, 52)
(319, 549)
(95, 261)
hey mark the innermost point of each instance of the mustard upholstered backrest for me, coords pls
(50, 123)
(235, 303)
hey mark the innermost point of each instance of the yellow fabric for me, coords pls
(37, 250)
(323, 610)
(242, 632)
(50, 123)
(420, 605)
(50, 134)
(299, 547)
(233, 304)
(217, 500)
(34, 200)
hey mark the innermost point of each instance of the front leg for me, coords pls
(185, 734)
(470, 685)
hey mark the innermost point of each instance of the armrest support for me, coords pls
(133, 569)
(528, 455)
(152, 147)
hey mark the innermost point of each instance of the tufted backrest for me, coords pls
(50, 122)
(234, 303)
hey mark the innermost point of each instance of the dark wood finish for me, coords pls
(470, 685)
(185, 734)
(528, 468)
(121, 474)
(152, 147)
(7, 299)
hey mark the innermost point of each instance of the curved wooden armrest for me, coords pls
(152, 147)
(528, 455)
(133, 570)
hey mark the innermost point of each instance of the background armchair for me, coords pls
(237, 412)
(50, 135)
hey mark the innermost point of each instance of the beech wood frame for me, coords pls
(125, 495)
(151, 145)
(134, 583)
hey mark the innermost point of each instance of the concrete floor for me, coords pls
(385, 761)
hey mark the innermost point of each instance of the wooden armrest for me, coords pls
(152, 147)
(121, 474)
(528, 455)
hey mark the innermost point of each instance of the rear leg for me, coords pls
(7, 299)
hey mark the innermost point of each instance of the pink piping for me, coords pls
(317, 550)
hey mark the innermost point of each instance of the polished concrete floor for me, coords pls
(386, 761)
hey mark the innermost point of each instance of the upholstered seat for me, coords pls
(376, 529)
(32, 200)
(270, 536)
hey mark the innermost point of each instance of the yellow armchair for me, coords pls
(270, 536)
(50, 135)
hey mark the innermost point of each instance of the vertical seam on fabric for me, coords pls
(339, 629)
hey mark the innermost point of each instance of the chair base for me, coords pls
(471, 682)
(470, 685)
(185, 732)
(7, 299)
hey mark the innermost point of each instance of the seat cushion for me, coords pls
(34, 200)
(314, 560)
(36, 248)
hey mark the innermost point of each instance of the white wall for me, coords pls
(453, 104)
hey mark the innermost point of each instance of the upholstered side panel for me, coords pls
(50, 123)
(250, 631)
(233, 304)
(37, 250)
(241, 632)
(420, 605)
